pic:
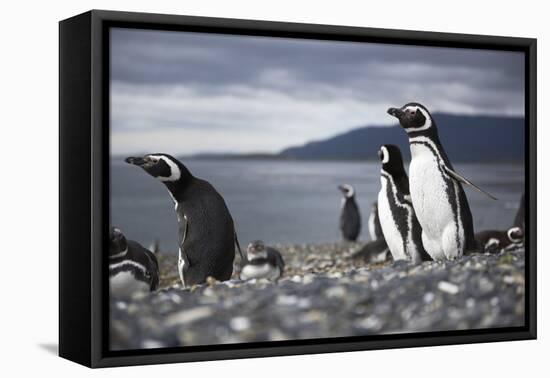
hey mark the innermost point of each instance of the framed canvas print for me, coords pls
(234, 188)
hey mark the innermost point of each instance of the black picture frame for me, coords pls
(84, 186)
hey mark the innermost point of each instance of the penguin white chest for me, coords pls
(430, 198)
(267, 271)
(124, 284)
(393, 237)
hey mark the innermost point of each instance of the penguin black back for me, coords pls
(210, 238)
(207, 237)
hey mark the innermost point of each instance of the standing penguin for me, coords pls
(350, 219)
(132, 268)
(207, 237)
(375, 229)
(262, 262)
(397, 218)
(436, 189)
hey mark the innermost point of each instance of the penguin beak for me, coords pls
(397, 113)
(343, 189)
(380, 154)
(139, 161)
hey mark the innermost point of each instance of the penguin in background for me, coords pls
(375, 229)
(262, 262)
(155, 246)
(400, 227)
(493, 241)
(376, 250)
(436, 189)
(350, 218)
(519, 220)
(373, 252)
(207, 238)
(132, 268)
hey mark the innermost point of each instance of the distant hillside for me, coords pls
(235, 156)
(465, 138)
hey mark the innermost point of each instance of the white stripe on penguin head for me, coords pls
(175, 172)
(385, 155)
(427, 123)
(350, 192)
(513, 238)
(120, 254)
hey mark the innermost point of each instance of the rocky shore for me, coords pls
(326, 293)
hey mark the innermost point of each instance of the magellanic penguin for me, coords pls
(400, 227)
(262, 262)
(492, 241)
(519, 220)
(132, 268)
(436, 189)
(376, 250)
(375, 229)
(155, 246)
(207, 237)
(350, 219)
(373, 252)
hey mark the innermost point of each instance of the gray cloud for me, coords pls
(285, 91)
(168, 57)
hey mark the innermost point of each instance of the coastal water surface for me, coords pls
(289, 201)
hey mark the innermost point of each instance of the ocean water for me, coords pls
(290, 201)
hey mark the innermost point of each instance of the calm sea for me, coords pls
(289, 201)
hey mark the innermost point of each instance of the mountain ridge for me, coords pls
(474, 138)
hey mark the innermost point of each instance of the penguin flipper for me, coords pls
(276, 258)
(183, 225)
(464, 180)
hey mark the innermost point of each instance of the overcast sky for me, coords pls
(185, 93)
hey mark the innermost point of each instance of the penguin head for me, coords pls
(256, 250)
(347, 190)
(118, 246)
(515, 235)
(162, 166)
(413, 117)
(391, 159)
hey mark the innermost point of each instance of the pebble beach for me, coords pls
(325, 293)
